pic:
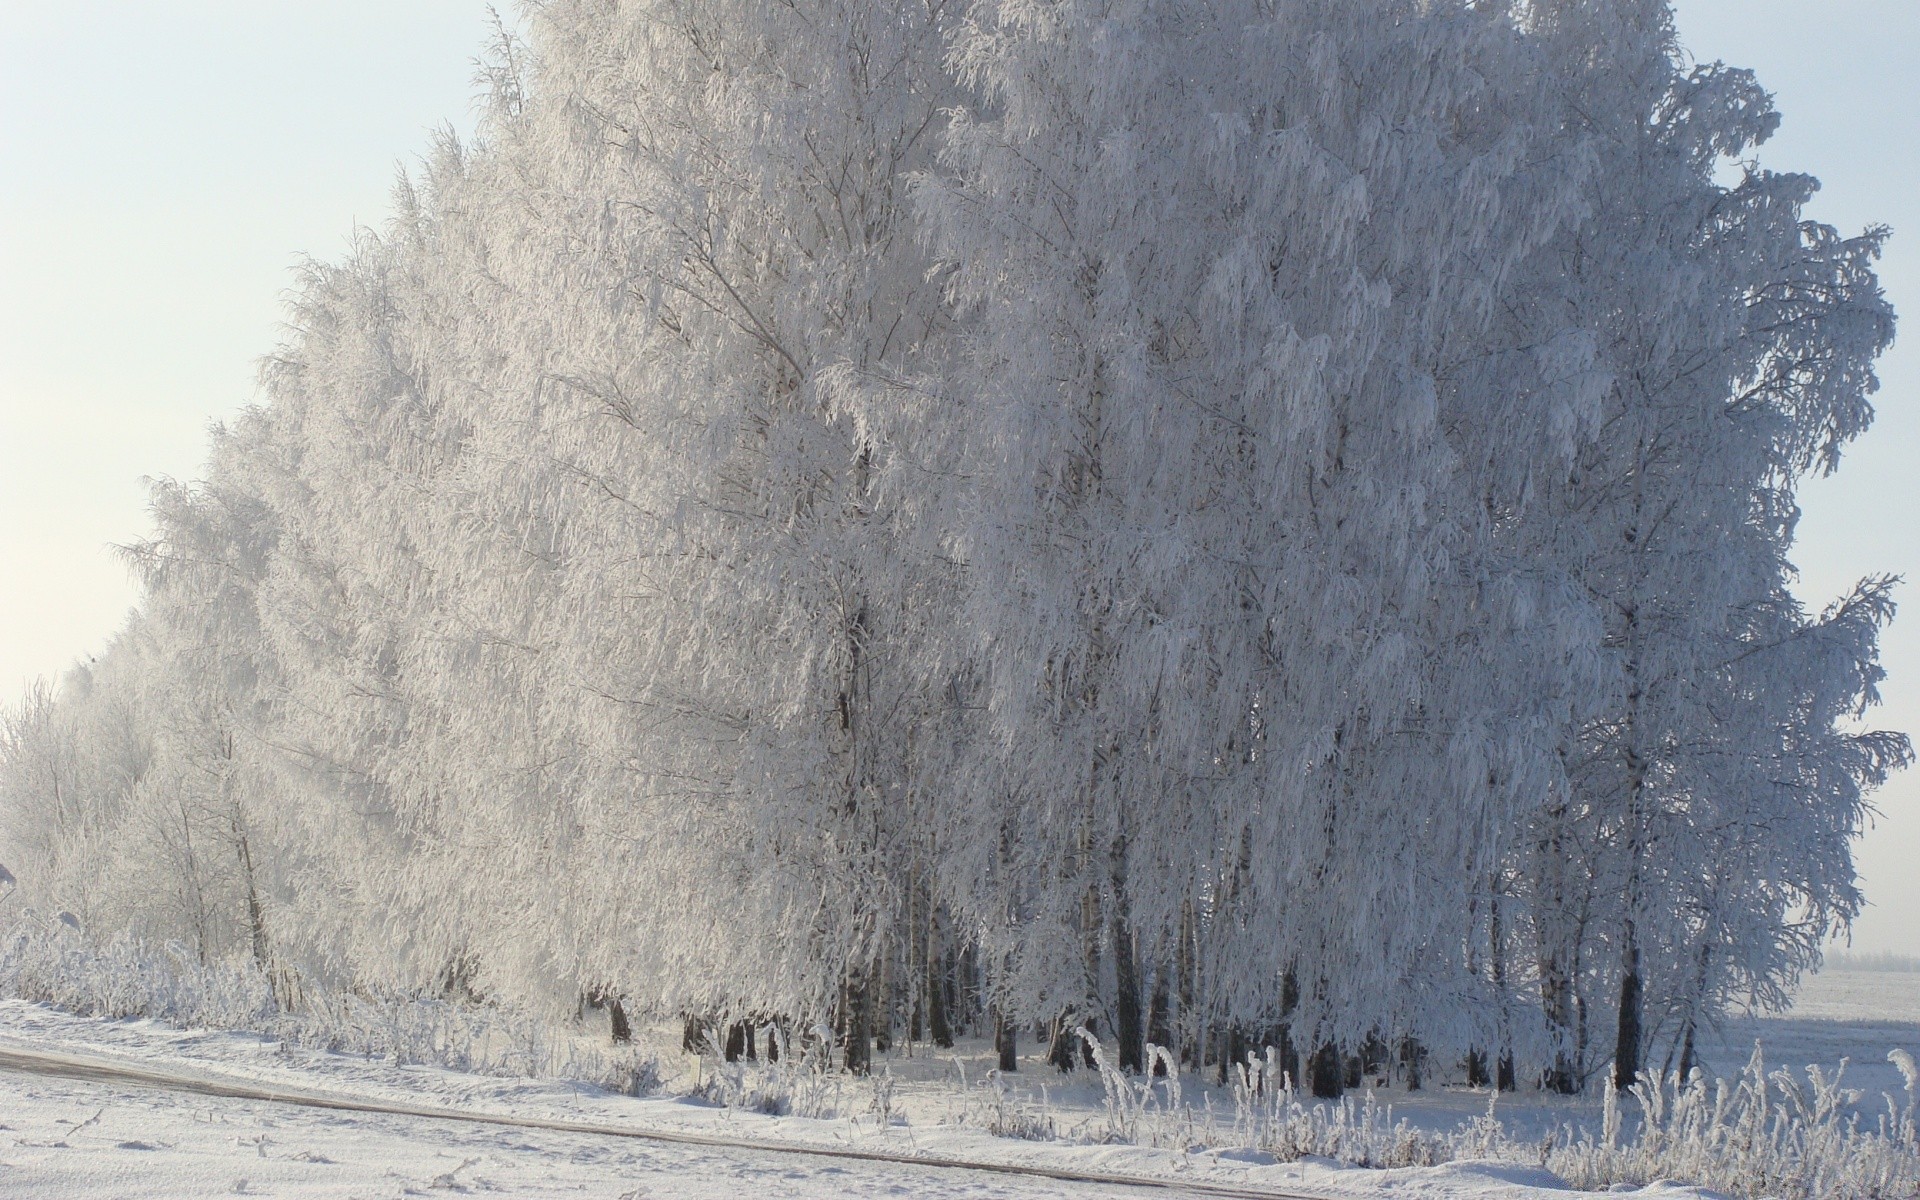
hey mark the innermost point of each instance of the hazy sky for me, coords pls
(164, 163)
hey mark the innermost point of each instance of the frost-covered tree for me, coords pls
(1232, 523)
(1739, 339)
(1228, 352)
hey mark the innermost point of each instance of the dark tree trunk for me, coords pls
(963, 988)
(1061, 1053)
(1477, 1076)
(1126, 972)
(857, 1013)
(1413, 1057)
(937, 1027)
(1280, 1037)
(1375, 1060)
(693, 1035)
(1626, 1045)
(880, 1005)
(1562, 1007)
(739, 1043)
(1192, 1047)
(1233, 1053)
(1508, 1081)
(1160, 1020)
(617, 1013)
(1126, 1005)
(1327, 1073)
(1003, 1041)
(1695, 1003)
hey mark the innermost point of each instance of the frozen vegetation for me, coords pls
(1205, 532)
(1751, 1131)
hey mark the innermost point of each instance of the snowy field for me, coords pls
(1852, 1015)
(86, 1139)
(64, 1138)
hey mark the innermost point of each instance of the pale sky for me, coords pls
(164, 163)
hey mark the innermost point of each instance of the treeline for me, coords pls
(1226, 524)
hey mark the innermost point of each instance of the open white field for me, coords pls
(1857, 1016)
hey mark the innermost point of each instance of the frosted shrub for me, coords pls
(129, 978)
(1767, 1133)
(126, 978)
(1147, 1111)
(798, 1085)
(994, 1105)
(1773, 1134)
(1269, 1115)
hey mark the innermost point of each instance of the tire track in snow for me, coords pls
(105, 1070)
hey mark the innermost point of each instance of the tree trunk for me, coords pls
(1626, 1046)
(1061, 1043)
(937, 1026)
(880, 1017)
(1192, 1047)
(1003, 1041)
(617, 1015)
(1695, 1002)
(1627, 1037)
(1327, 1073)
(1126, 973)
(1233, 1054)
(1413, 1057)
(1280, 1037)
(858, 1016)
(1477, 1076)
(1557, 1005)
(1159, 1019)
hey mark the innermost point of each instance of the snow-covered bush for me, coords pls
(801, 1081)
(125, 977)
(996, 1106)
(1768, 1133)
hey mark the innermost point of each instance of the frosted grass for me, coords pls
(125, 978)
(1767, 1132)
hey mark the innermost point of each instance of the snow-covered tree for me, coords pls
(1232, 522)
(1245, 456)
(1740, 339)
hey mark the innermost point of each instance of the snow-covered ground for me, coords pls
(68, 1138)
(90, 1139)
(1853, 1015)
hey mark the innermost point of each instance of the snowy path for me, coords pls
(131, 1100)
